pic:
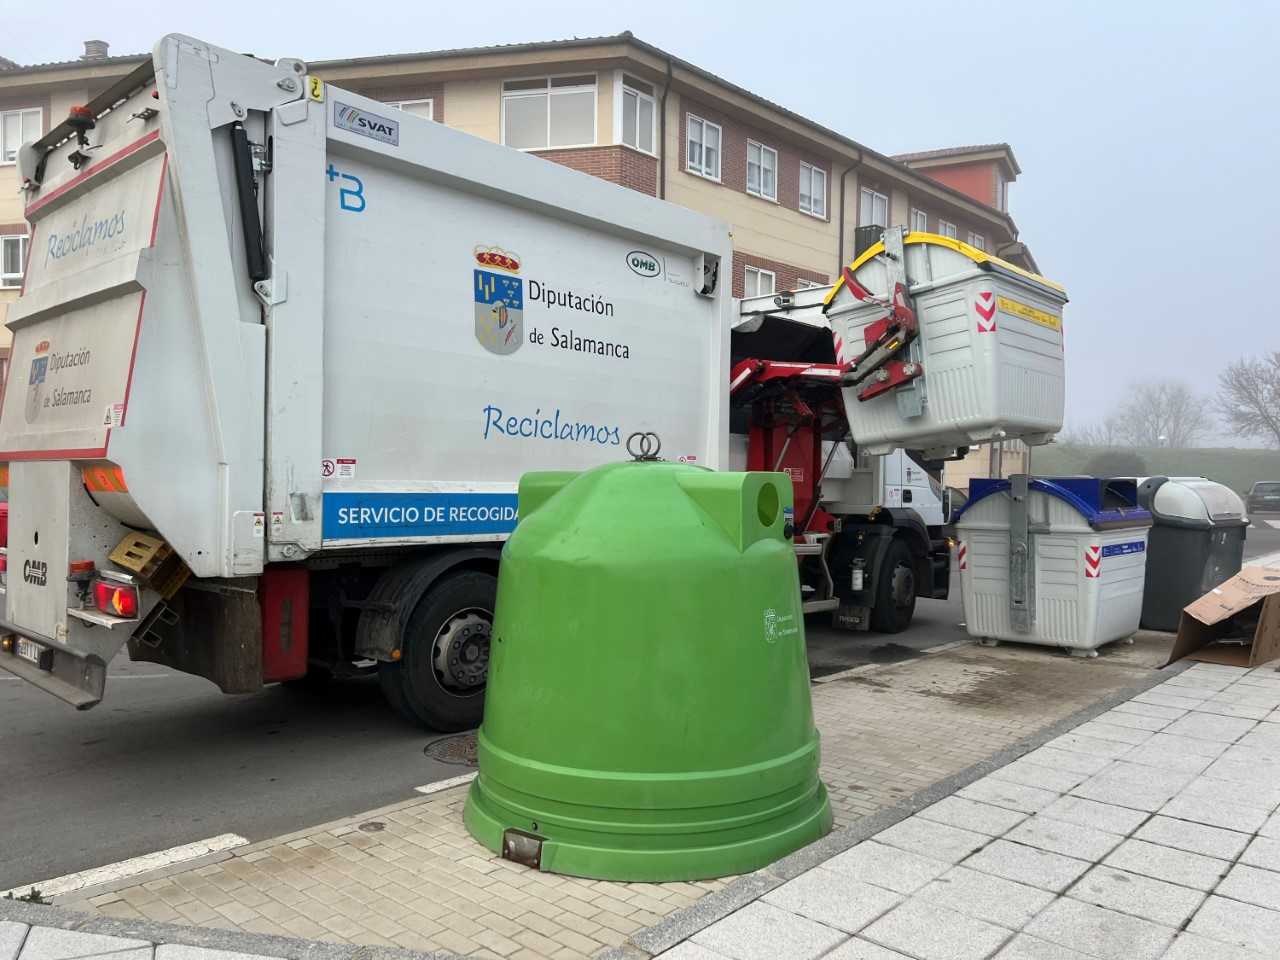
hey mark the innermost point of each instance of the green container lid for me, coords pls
(648, 713)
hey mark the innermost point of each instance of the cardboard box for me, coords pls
(1246, 607)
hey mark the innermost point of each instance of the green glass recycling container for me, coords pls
(648, 714)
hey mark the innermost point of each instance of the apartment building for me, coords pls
(794, 192)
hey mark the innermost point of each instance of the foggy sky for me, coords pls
(1148, 133)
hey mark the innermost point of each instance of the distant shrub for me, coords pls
(1116, 463)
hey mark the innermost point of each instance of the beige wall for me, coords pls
(474, 106)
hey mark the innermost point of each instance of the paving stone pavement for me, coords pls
(1106, 843)
(410, 876)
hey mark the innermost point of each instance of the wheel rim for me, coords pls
(460, 651)
(904, 586)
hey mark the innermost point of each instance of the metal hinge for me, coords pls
(260, 157)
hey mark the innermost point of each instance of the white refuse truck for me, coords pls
(284, 353)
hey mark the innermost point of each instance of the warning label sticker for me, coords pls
(1028, 312)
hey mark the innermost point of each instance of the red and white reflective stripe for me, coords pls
(984, 305)
(962, 554)
(1092, 562)
(839, 342)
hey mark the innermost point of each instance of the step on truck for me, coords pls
(284, 353)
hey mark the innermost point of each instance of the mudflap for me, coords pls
(212, 629)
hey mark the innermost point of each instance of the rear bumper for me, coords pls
(74, 677)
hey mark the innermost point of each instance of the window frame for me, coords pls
(978, 240)
(804, 283)
(764, 148)
(20, 111)
(759, 272)
(689, 118)
(400, 105)
(24, 248)
(811, 169)
(640, 95)
(916, 212)
(875, 194)
(549, 91)
(947, 229)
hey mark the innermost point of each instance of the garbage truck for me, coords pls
(282, 355)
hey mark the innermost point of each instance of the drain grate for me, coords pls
(459, 749)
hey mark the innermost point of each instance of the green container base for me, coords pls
(705, 854)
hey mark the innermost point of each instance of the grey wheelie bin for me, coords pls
(1196, 543)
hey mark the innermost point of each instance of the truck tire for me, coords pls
(440, 679)
(895, 591)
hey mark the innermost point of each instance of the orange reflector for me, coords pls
(104, 478)
(6, 643)
(4, 476)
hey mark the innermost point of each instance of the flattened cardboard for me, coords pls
(1208, 620)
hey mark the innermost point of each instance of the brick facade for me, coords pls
(733, 159)
(617, 164)
(786, 275)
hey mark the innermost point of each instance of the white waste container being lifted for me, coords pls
(1059, 562)
(976, 356)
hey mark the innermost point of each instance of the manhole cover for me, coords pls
(458, 749)
(372, 826)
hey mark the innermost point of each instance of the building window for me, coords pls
(757, 282)
(762, 170)
(813, 190)
(919, 221)
(1002, 191)
(16, 128)
(549, 112)
(947, 229)
(638, 114)
(419, 108)
(703, 147)
(13, 259)
(874, 209)
(977, 240)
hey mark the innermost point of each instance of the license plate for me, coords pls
(29, 651)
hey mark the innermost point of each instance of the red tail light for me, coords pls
(116, 599)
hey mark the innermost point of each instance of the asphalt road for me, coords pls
(166, 759)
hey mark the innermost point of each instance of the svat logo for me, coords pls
(644, 264)
(347, 117)
(499, 299)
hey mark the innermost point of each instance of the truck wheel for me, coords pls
(445, 653)
(895, 591)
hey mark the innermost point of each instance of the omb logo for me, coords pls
(35, 572)
(644, 264)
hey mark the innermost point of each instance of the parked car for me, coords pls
(1263, 496)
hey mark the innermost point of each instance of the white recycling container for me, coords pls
(1053, 561)
(990, 343)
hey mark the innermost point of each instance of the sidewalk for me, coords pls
(410, 876)
(1149, 832)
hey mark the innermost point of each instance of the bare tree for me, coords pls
(1249, 397)
(1104, 433)
(1162, 413)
